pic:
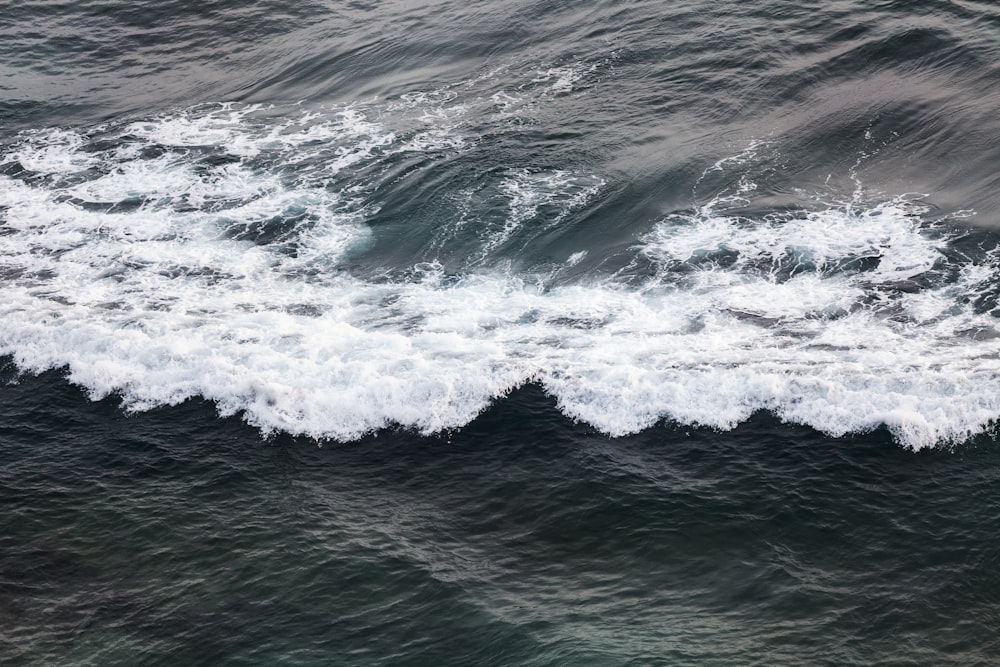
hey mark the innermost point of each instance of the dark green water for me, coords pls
(523, 539)
(521, 333)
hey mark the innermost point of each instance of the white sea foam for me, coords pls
(162, 276)
(53, 151)
(562, 79)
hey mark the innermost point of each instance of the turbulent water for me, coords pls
(499, 333)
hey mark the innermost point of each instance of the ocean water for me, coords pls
(499, 333)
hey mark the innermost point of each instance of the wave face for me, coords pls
(244, 255)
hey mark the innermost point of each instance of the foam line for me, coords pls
(204, 255)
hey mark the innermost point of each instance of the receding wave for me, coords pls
(208, 253)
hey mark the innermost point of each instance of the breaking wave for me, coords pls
(209, 252)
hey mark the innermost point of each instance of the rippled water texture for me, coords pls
(522, 540)
(498, 333)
